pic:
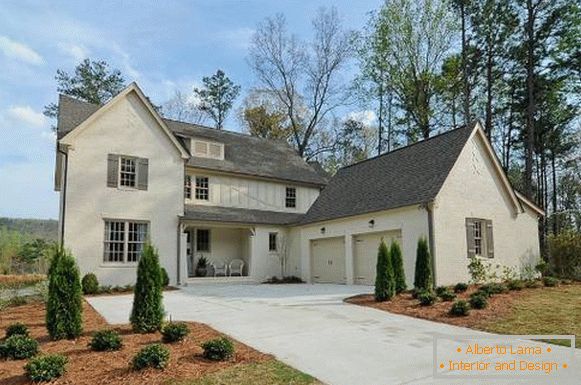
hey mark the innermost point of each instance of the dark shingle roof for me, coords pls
(406, 176)
(244, 154)
(237, 215)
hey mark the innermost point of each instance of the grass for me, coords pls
(270, 372)
(554, 310)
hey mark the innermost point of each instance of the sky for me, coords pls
(162, 45)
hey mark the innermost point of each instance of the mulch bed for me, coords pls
(89, 367)
(498, 305)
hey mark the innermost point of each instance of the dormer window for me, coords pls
(291, 197)
(205, 149)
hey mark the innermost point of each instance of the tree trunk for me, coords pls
(554, 196)
(489, 81)
(389, 128)
(467, 116)
(530, 84)
(380, 125)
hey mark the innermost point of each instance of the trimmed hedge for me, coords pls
(219, 349)
(46, 368)
(384, 280)
(90, 284)
(147, 313)
(106, 340)
(152, 356)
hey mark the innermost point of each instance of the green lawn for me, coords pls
(265, 373)
(554, 310)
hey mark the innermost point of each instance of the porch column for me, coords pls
(349, 259)
(182, 256)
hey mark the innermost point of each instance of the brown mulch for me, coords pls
(498, 305)
(88, 367)
(15, 280)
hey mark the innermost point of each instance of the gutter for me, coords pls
(64, 192)
(430, 209)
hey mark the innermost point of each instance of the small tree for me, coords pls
(384, 280)
(423, 273)
(217, 96)
(147, 313)
(64, 307)
(398, 271)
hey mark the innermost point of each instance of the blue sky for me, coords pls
(163, 45)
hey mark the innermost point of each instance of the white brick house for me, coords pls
(125, 174)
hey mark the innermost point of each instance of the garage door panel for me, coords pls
(365, 254)
(328, 260)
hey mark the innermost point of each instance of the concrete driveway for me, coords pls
(310, 328)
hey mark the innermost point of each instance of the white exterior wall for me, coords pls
(264, 263)
(411, 220)
(474, 190)
(248, 193)
(127, 128)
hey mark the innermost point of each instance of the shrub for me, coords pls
(460, 308)
(106, 340)
(384, 280)
(152, 356)
(460, 287)
(90, 284)
(64, 306)
(174, 331)
(46, 368)
(19, 347)
(16, 329)
(398, 271)
(478, 301)
(565, 254)
(533, 284)
(515, 284)
(550, 281)
(219, 349)
(423, 273)
(447, 295)
(481, 292)
(440, 290)
(147, 312)
(477, 270)
(494, 288)
(164, 277)
(427, 298)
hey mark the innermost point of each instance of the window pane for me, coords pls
(203, 240)
(137, 234)
(291, 197)
(188, 187)
(202, 188)
(127, 173)
(114, 241)
(272, 241)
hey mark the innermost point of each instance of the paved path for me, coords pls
(310, 328)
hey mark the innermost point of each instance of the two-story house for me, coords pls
(127, 175)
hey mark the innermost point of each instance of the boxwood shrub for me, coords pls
(16, 329)
(478, 302)
(219, 349)
(106, 340)
(19, 347)
(174, 331)
(460, 308)
(90, 284)
(494, 288)
(152, 356)
(447, 295)
(46, 368)
(515, 284)
(550, 281)
(460, 287)
(427, 298)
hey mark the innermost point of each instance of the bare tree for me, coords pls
(302, 76)
(183, 108)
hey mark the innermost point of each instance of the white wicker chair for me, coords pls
(236, 266)
(219, 268)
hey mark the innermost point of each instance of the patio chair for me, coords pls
(219, 268)
(236, 266)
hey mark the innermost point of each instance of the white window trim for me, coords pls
(195, 187)
(295, 198)
(190, 187)
(124, 263)
(135, 161)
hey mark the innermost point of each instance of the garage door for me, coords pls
(328, 260)
(365, 254)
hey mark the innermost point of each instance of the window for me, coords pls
(188, 187)
(291, 197)
(203, 240)
(272, 241)
(479, 237)
(202, 188)
(127, 172)
(124, 240)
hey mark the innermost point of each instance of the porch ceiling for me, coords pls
(204, 213)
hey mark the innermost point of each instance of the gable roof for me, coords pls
(406, 176)
(244, 154)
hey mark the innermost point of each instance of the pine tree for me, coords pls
(147, 313)
(64, 308)
(398, 271)
(423, 273)
(384, 280)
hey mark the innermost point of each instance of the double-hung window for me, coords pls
(127, 172)
(291, 197)
(124, 240)
(203, 240)
(202, 188)
(272, 242)
(479, 237)
(188, 187)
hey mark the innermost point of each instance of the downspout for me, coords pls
(64, 192)
(431, 242)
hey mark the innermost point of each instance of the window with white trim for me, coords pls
(188, 187)
(124, 241)
(272, 242)
(127, 172)
(291, 197)
(477, 234)
(202, 188)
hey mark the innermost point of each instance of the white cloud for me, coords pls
(27, 115)
(236, 38)
(19, 51)
(367, 117)
(77, 52)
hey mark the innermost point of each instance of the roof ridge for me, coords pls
(471, 124)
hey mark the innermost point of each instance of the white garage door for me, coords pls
(328, 260)
(365, 254)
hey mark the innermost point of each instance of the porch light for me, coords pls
(371, 223)
(323, 230)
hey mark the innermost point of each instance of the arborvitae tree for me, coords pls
(147, 313)
(64, 308)
(423, 273)
(384, 282)
(398, 271)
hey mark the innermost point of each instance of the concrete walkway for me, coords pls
(310, 328)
